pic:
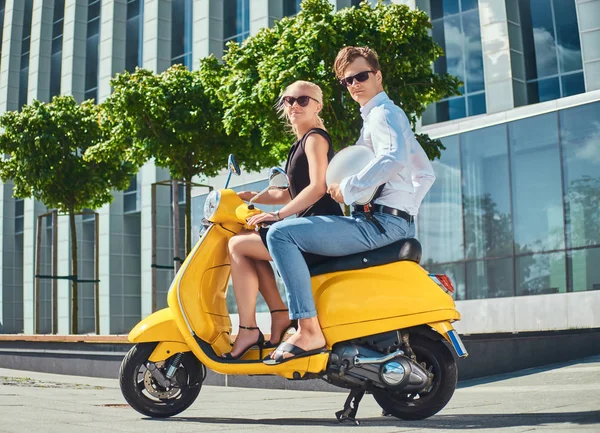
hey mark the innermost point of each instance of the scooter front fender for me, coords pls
(159, 326)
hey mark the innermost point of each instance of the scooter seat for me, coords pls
(405, 249)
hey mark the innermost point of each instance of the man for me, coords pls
(400, 165)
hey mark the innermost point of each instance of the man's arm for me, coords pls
(388, 134)
(423, 174)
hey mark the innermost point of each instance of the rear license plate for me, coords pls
(457, 344)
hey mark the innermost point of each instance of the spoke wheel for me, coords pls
(146, 395)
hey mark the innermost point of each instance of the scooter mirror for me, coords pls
(278, 179)
(233, 165)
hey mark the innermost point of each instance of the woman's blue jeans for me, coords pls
(328, 236)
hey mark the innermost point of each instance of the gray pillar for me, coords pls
(157, 35)
(208, 28)
(113, 30)
(588, 12)
(10, 64)
(40, 54)
(74, 47)
(264, 13)
(31, 210)
(496, 56)
(63, 254)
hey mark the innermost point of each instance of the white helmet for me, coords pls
(348, 162)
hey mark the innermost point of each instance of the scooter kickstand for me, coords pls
(348, 413)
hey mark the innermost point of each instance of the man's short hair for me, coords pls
(349, 54)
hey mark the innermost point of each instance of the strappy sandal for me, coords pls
(293, 324)
(294, 350)
(259, 342)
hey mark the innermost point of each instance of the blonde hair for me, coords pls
(314, 91)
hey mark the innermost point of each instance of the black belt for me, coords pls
(389, 210)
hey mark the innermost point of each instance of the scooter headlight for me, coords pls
(211, 204)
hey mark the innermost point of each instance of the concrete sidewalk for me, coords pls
(564, 398)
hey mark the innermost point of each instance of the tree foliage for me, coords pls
(304, 48)
(47, 160)
(175, 118)
(48, 157)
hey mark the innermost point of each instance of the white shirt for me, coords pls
(400, 161)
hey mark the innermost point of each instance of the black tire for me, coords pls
(189, 377)
(411, 407)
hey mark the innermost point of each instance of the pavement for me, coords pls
(561, 398)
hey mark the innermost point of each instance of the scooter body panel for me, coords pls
(159, 326)
(350, 304)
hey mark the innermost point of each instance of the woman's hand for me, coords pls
(246, 195)
(262, 218)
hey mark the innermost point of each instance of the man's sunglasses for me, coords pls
(360, 77)
(302, 100)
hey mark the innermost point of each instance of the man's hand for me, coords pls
(335, 192)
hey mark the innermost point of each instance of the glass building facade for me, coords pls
(515, 208)
(456, 29)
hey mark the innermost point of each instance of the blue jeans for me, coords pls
(327, 236)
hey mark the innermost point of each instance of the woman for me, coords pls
(307, 195)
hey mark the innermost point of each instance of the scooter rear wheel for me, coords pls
(147, 396)
(439, 359)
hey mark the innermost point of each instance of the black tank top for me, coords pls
(296, 168)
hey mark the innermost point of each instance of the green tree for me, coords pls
(47, 159)
(304, 48)
(175, 118)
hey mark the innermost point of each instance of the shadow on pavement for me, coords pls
(442, 422)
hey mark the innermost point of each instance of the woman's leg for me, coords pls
(246, 250)
(267, 286)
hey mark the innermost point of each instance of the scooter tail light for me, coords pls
(443, 281)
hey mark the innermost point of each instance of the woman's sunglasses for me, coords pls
(360, 77)
(302, 100)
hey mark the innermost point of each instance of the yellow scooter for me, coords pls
(386, 320)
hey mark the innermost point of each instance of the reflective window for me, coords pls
(490, 278)
(25, 47)
(585, 272)
(2, 7)
(236, 25)
(57, 39)
(292, 7)
(545, 50)
(19, 215)
(131, 197)
(580, 142)
(541, 274)
(536, 187)
(92, 50)
(134, 36)
(486, 193)
(456, 29)
(181, 32)
(440, 217)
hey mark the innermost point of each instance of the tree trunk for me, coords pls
(188, 217)
(175, 204)
(74, 274)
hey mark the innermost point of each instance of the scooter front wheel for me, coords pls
(146, 395)
(436, 357)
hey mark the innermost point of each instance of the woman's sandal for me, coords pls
(259, 342)
(298, 352)
(293, 324)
